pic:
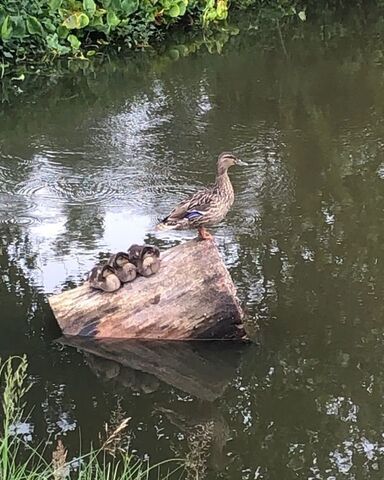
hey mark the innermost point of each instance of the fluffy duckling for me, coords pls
(134, 253)
(146, 258)
(124, 269)
(104, 278)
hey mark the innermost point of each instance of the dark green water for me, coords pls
(89, 163)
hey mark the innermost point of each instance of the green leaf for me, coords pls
(302, 15)
(18, 26)
(54, 44)
(49, 26)
(74, 41)
(96, 22)
(116, 4)
(183, 8)
(83, 20)
(129, 6)
(52, 41)
(6, 29)
(76, 20)
(62, 32)
(174, 11)
(55, 4)
(89, 7)
(34, 27)
(112, 19)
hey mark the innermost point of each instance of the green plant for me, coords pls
(20, 461)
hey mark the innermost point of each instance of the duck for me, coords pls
(146, 258)
(124, 269)
(103, 277)
(134, 253)
(208, 206)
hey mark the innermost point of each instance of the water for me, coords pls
(90, 162)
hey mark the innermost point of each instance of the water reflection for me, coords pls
(201, 369)
(82, 175)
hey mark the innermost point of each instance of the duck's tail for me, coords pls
(163, 225)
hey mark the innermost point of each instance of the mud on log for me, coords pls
(191, 297)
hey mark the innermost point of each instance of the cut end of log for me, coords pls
(192, 297)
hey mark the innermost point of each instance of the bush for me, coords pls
(33, 28)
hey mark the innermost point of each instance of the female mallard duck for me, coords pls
(146, 258)
(208, 206)
(122, 266)
(104, 278)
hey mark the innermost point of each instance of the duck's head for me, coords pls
(150, 250)
(134, 253)
(121, 259)
(106, 271)
(226, 160)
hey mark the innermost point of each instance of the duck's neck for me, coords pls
(222, 179)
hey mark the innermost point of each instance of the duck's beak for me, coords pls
(240, 162)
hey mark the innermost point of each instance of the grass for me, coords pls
(20, 461)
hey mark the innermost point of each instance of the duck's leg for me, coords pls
(204, 234)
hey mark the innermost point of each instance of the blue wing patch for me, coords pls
(193, 214)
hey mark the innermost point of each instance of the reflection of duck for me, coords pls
(104, 278)
(146, 258)
(208, 206)
(124, 269)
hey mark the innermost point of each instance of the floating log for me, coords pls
(191, 297)
(202, 369)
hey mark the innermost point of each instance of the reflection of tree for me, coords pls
(83, 227)
(308, 402)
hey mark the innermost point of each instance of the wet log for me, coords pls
(191, 297)
(202, 369)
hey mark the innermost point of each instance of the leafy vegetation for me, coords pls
(20, 461)
(44, 29)
(80, 27)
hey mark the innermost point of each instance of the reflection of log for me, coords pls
(191, 297)
(202, 369)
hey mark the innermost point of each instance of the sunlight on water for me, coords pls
(82, 176)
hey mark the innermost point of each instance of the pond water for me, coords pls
(88, 163)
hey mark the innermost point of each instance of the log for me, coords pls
(202, 369)
(191, 297)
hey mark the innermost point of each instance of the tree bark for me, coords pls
(191, 297)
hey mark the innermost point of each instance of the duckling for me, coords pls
(124, 269)
(134, 253)
(146, 258)
(103, 277)
(149, 263)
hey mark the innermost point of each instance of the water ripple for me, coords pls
(83, 190)
(15, 209)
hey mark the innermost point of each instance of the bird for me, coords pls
(146, 258)
(103, 277)
(124, 269)
(208, 206)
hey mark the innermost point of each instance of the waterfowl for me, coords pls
(134, 253)
(208, 206)
(124, 269)
(104, 278)
(146, 258)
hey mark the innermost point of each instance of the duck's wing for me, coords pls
(195, 206)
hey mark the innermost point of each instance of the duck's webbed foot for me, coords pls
(204, 234)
